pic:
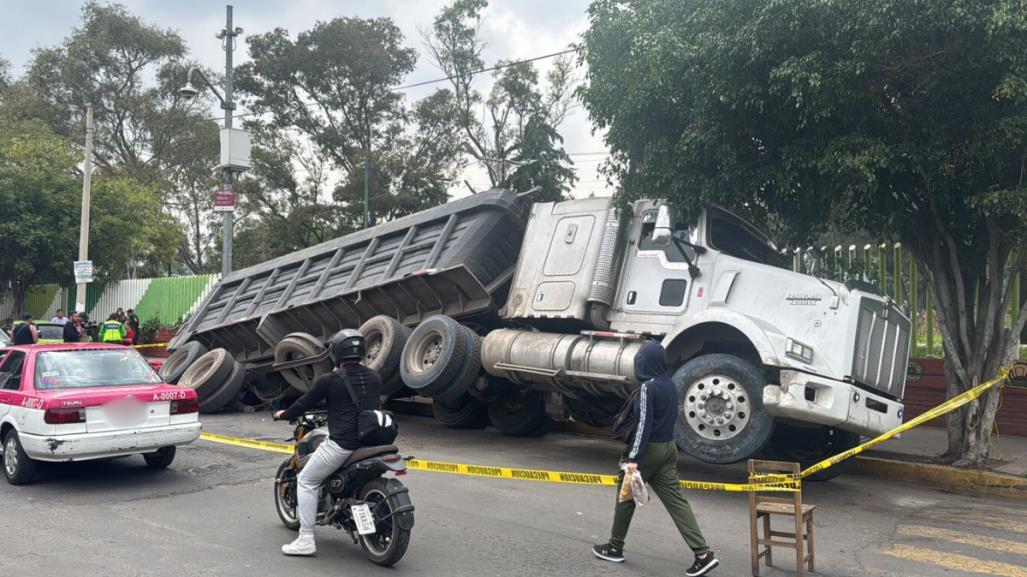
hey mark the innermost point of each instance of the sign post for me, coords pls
(83, 274)
(224, 200)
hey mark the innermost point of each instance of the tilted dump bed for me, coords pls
(454, 259)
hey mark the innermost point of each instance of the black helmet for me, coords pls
(347, 344)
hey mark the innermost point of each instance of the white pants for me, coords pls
(327, 459)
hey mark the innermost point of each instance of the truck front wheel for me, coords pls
(810, 445)
(720, 403)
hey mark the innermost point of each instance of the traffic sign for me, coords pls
(83, 271)
(224, 200)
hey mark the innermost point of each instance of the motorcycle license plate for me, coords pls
(364, 520)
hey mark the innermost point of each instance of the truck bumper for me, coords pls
(814, 399)
(87, 446)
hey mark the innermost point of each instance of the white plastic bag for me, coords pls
(633, 487)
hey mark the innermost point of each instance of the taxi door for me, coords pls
(8, 384)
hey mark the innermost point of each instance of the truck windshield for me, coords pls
(92, 368)
(732, 235)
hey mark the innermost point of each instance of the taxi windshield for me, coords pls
(92, 368)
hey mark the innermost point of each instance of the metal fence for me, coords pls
(893, 270)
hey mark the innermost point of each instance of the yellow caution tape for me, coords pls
(759, 483)
(774, 483)
(942, 409)
(150, 346)
(271, 446)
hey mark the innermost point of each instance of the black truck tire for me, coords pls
(520, 415)
(180, 360)
(463, 413)
(298, 345)
(721, 416)
(469, 372)
(227, 392)
(594, 411)
(385, 338)
(434, 355)
(810, 445)
(208, 373)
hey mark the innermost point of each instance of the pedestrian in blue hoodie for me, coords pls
(651, 451)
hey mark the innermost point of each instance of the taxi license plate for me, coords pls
(364, 520)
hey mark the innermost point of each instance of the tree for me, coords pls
(37, 199)
(334, 86)
(906, 119)
(516, 137)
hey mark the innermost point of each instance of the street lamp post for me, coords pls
(228, 171)
(83, 233)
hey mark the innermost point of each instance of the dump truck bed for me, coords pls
(454, 259)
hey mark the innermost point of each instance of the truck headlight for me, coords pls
(800, 351)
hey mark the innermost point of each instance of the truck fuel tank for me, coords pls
(599, 363)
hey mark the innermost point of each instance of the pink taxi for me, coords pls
(82, 401)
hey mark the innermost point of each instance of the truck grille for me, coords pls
(882, 347)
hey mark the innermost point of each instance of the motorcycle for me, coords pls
(375, 510)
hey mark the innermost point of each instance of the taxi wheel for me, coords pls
(160, 459)
(18, 468)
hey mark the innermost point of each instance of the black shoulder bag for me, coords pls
(374, 427)
(626, 422)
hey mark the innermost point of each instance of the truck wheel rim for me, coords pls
(374, 347)
(10, 457)
(428, 353)
(716, 407)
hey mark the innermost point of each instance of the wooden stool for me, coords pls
(764, 507)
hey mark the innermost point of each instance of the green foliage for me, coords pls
(905, 119)
(148, 332)
(514, 137)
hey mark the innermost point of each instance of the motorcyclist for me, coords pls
(347, 350)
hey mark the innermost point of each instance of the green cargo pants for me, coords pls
(659, 467)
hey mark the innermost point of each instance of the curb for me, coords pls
(962, 481)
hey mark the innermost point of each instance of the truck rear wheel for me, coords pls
(296, 346)
(594, 411)
(434, 355)
(180, 360)
(463, 413)
(468, 372)
(385, 338)
(520, 415)
(810, 445)
(720, 401)
(208, 373)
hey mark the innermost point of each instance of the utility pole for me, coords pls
(83, 233)
(228, 35)
(367, 170)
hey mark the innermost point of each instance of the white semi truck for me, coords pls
(505, 311)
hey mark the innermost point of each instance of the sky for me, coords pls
(513, 29)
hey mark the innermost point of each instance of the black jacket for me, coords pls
(71, 334)
(342, 413)
(656, 405)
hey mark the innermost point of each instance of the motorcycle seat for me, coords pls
(368, 452)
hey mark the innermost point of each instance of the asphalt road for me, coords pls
(212, 514)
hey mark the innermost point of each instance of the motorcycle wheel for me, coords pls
(285, 496)
(389, 543)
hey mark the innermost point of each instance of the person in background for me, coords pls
(133, 323)
(25, 332)
(120, 314)
(651, 451)
(7, 326)
(112, 331)
(73, 328)
(130, 335)
(59, 318)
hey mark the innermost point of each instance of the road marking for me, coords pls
(1000, 545)
(989, 522)
(963, 564)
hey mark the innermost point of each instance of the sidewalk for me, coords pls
(925, 444)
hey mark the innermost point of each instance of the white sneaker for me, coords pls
(303, 546)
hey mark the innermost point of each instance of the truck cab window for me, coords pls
(735, 237)
(673, 250)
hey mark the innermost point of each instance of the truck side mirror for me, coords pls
(663, 232)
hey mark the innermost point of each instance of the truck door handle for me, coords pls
(631, 297)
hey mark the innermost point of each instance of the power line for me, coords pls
(444, 79)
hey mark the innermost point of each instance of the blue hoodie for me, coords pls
(656, 405)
